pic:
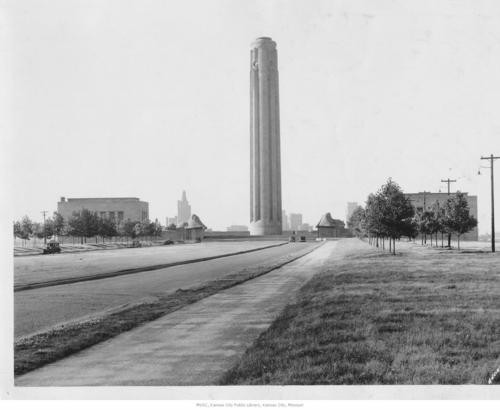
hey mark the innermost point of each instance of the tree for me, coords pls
(75, 225)
(38, 230)
(106, 228)
(147, 228)
(356, 222)
(131, 228)
(58, 224)
(17, 229)
(396, 212)
(90, 223)
(83, 224)
(426, 224)
(438, 220)
(457, 217)
(171, 227)
(49, 227)
(26, 228)
(373, 217)
(158, 228)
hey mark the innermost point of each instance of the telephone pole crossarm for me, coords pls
(448, 181)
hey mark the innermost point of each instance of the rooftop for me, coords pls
(100, 199)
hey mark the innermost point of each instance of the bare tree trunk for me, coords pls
(394, 247)
(390, 245)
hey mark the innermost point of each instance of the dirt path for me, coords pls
(192, 346)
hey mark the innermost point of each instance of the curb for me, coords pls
(65, 281)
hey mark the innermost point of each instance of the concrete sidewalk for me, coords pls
(192, 346)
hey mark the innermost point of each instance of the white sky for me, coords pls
(147, 98)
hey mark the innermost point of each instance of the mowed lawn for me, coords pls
(424, 316)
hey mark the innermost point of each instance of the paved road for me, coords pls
(41, 268)
(37, 309)
(192, 346)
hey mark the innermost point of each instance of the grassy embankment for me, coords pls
(37, 350)
(425, 316)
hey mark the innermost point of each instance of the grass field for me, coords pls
(424, 316)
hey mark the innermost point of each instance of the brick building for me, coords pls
(423, 201)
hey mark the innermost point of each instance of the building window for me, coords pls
(112, 215)
(120, 216)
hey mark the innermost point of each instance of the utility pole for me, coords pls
(44, 230)
(492, 159)
(449, 181)
(425, 204)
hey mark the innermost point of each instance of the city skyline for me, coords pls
(361, 100)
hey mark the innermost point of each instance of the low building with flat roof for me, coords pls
(424, 201)
(117, 209)
(237, 228)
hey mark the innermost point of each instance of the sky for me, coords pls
(149, 98)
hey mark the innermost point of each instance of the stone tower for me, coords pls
(265, 162)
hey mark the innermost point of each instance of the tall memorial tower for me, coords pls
(265, 162)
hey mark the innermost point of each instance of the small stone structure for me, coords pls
(330, 228)
(194, 231)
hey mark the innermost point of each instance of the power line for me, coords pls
(492, 159)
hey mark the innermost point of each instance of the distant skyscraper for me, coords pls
(171, 221)
(265, 162)
(295, 221)
(351, 206)
(183, 209)
(284, 221)
(305, 227)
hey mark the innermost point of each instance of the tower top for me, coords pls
(260, 41)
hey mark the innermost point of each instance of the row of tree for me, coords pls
(85, 224)
(390, 215)
(26, 229)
